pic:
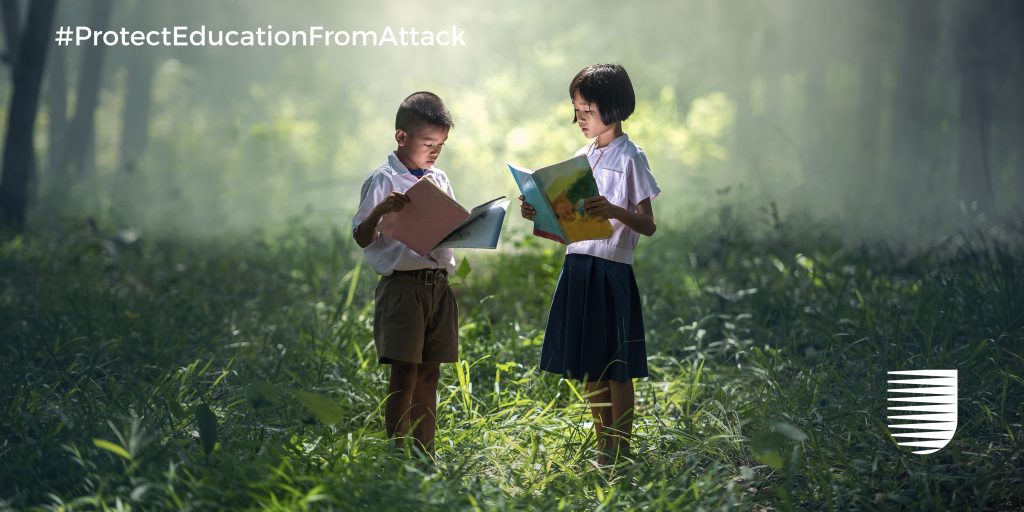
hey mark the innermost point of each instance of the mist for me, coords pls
(895, 121)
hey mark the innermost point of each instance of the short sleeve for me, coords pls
(374, 190)
(440, 178)
(640, 182)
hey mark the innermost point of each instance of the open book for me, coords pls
(433, 220)
(557, 193)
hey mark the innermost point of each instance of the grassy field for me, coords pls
(242, 375)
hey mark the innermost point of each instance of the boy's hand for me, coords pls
(599, 206)
(394, 202)
(526, 210)
(366, 232)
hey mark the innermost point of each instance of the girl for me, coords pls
(595, 330)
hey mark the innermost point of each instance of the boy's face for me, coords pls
(420, 148)
(588, 117)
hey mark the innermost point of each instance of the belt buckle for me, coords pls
(428, 277)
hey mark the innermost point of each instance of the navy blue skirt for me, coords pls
(595, 329)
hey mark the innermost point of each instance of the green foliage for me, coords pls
(242, 375)
(207, 423)
(462, 271)
(325, 409)
(112, 448)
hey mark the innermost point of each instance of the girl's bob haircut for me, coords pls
(607, 86)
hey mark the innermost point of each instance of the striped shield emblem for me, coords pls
(922, 411)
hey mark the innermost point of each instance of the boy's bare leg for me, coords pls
(424, 405)
(400, 392)
(622, 412)
(599, 398)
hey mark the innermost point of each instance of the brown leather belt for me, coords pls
(426, 276)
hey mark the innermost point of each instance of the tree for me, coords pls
(12, 24)
(869, 110)
(1016, 115)
(973, 54)
(135, 117)
(19, 156)
(56, 92)
(915, 63)
(81, 131)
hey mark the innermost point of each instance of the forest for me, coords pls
(186, 322)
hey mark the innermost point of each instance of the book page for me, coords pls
(429, 216)
(481, 229)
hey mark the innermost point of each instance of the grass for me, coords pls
(241, 375)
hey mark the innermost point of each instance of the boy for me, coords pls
(415, 321)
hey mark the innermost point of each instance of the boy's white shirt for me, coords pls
(623, 177)
(386, 254)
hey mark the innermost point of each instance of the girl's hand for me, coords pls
(599, 206)
(394, 202)
(526, 210)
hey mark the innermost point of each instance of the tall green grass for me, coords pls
(242, 375)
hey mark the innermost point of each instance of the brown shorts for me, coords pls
(415, 322)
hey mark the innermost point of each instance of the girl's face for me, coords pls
(589, 117)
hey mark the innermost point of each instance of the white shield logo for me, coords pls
(929, 404)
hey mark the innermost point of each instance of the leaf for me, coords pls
(263, 393)
(112, 448)
(323, 407)
(463, 269)
(140, 491)
(354, 275)
(174, 407)
(766, 446)
(790, 432)
(207, 422)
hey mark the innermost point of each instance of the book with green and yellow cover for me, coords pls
(557, 192)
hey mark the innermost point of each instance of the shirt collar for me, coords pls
(400, 168)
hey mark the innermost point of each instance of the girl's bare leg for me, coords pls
(621, 426)
(600, 398)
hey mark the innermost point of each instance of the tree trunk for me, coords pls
(135, 120)
(974, 177)
(12, 29)
(57, 94)
(975, 182)
(82, 128)
(19, 156)
(869, 123)
(867, 187)
(817, 119)
(746, 143)
(1017, 117)
(909, 113)
(135, 127)
(814, 131)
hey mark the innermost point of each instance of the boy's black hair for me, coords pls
(607, 86)
(422, 107)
